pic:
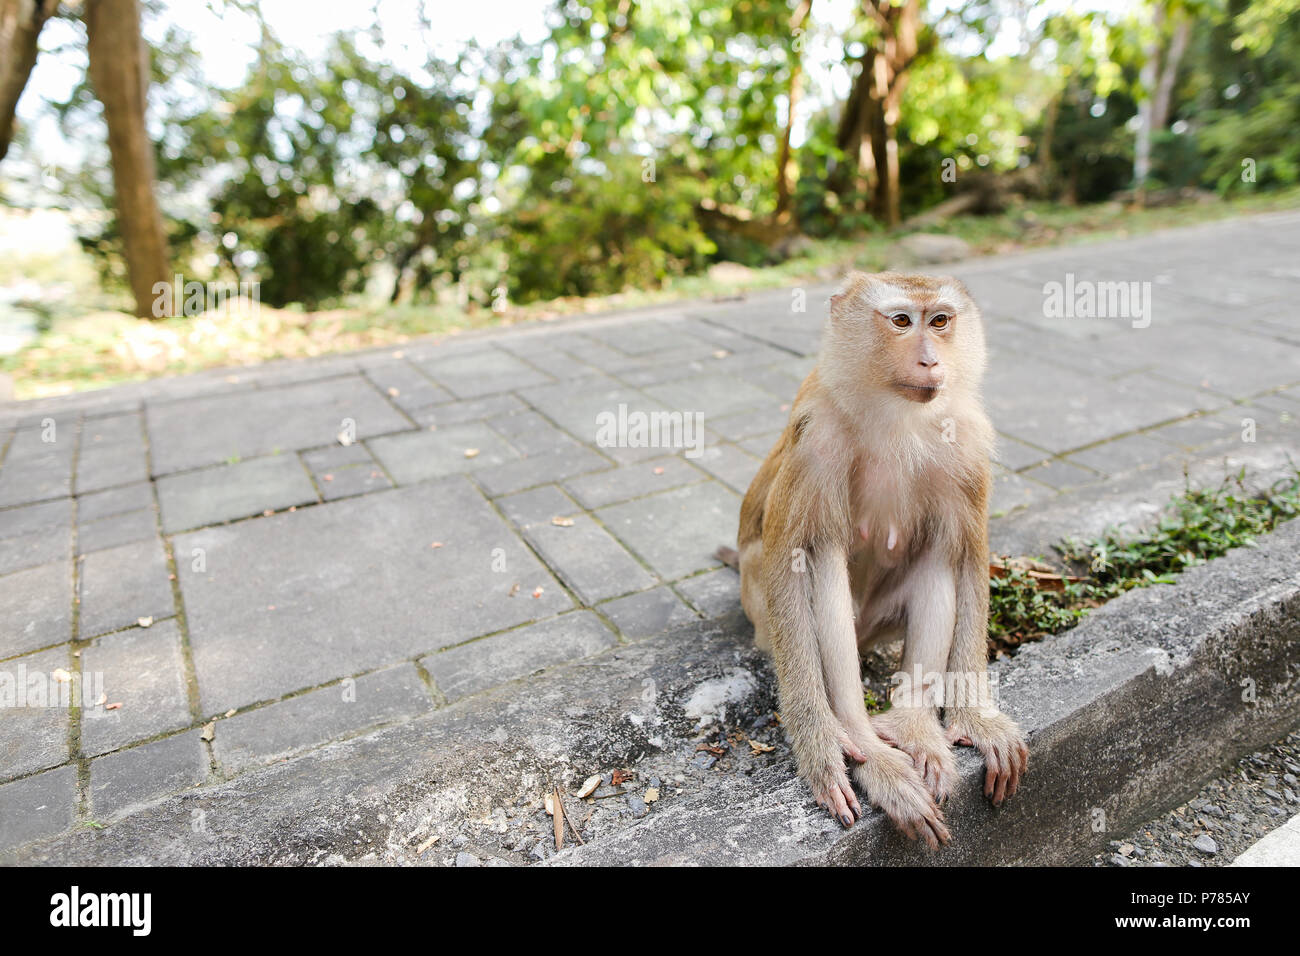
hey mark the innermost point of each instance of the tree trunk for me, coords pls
(119, 72)
(20, 25)
(1169, 73)
(787, 168)
(1147, 77)
(871, 118)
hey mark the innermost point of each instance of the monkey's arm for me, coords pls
(972, 715)
(817, 738)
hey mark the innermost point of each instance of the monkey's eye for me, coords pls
(901, 320)
(940, 321)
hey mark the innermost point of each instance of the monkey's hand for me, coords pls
(895, 787)
(917, 732)
(1006, 758)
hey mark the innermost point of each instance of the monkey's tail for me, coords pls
(728, 556)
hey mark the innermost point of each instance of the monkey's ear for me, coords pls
(854, 283)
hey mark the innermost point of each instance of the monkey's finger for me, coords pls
(1000, 791)
(991, 771)
(852, 750)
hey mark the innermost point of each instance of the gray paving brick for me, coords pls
(37, 806)
(116, 530)
(1061, 474)
(419, 456)
(1010, 491)
(760, 446)
(1196, 432)
(565, 462)
(123, 584)
(473, 410)
(405, 387)
(632, 481)
(227, 492)
(355, 585)
(472, 374)
(537, 506)
(104, 504)
(730, 465)
(1015, 454)
(714, 394)
(676, 532)
(35, 548)
(763, 420)
(714, 593)
(143, 669)
(473, 667)
(647, 613)
(342, 472)
(587, 559)
(35, 470)
(122, 781)
(247, 424)
(1122, 455)
(35, 608)
(271, 733)
(34, 712)
(529, 433)
(26, 519)
(112, 453)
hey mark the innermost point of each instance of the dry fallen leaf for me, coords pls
(426, 844)
(116, 706)
(537, 591)
(651, 795)
(562, 522)
(514, 589)
(714, 749)
(327, 477)
(60, 675)
(436, 544)
(103, 699)
(659, 470)
(394, 392)
(620, 777)
(550, 805)
(144, 621)
(589, 786)
(209, 730)
(757, 747)
(230, 712)
(471, 452)
(721, 353)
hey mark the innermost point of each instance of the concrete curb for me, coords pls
(1127, 714)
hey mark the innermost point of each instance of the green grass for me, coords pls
(1197, 526)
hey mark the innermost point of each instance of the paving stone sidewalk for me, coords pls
(238, 566)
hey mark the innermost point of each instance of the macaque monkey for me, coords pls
(868, 521)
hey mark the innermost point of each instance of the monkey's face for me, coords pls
(917, 337)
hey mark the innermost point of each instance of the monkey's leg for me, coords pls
(912, 723)
(885, 774)
(973, 717)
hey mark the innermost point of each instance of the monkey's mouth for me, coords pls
(918, 393)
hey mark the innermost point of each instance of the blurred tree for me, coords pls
(1168, 33)
(119, 71)
(20, 26)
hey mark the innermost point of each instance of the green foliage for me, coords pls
(583, 164)
(1197, 526)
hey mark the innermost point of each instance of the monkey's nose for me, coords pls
(926, 361)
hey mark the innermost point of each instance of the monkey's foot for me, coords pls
(1006, 758)
(832, 790)
(892, 784)
(918, 733)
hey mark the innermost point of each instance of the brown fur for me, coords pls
(869, 519)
